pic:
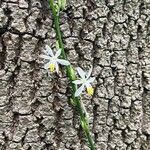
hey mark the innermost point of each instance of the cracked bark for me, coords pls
(112, 36)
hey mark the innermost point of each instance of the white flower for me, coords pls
(53, 59)
(85, 82)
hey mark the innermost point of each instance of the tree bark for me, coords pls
(113, 36)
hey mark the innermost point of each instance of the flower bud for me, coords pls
(63, 4)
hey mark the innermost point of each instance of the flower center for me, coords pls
(52, 67)
(90, 91)
(84, 80)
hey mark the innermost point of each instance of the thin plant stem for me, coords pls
(71, 75)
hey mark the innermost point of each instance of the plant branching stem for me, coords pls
(71, 75)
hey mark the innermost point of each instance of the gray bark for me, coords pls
(113, 36)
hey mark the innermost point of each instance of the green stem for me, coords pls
(72, 77)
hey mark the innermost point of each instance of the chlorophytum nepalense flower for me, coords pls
(53, 60)
(85, 81)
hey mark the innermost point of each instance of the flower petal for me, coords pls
(87, 84)
(79, 90)
(49, 51)
(58, 53)
(77, 82)
(91, 80)
(63, 62)
(57, 67)
(46, 66)
(81, 72)
(89, 73)
(45, 57)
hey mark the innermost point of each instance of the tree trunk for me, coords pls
(113, 37)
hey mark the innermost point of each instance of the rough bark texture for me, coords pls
(111, 35)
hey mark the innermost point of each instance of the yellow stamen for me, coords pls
(52, 67)
(90, 91)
